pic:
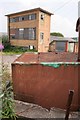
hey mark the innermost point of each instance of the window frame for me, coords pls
(23, 18)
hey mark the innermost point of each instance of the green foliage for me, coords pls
(57, 34)
(8, 110)
(6, 42)
(13, 49)
(8, 103)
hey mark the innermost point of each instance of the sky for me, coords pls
(64, 18)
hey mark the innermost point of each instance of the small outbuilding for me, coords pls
(63, 44)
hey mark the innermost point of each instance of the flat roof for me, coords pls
(46, 57)
(35, 9)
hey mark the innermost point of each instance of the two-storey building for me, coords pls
(30, 28)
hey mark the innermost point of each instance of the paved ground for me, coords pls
(8, 59)
(34, 111)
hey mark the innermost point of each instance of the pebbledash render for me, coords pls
(30, 29)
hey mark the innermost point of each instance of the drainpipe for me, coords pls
(78, 30)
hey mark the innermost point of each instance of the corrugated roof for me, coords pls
(47, 57)
(21, 12)
(65, 39)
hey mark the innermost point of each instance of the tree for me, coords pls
(5, 42)
(57, 34)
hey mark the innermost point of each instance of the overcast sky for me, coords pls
(64, 18)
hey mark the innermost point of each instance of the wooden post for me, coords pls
(79, 45)
(70, 97)
(78, 30)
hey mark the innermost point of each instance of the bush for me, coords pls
(5, 42)
(13, 49)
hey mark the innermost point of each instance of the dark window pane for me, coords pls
(16, 19)
(12, 19)
(60, 46)
(41, 36)
(42, 16)
(32, 17)
(21, 33)
(30, 33)
(26, 33)
(26, 17)
(21, 18)
(17, 33)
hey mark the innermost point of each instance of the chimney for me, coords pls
(78, 30)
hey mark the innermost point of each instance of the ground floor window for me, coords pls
(23, 33)
(31, 47)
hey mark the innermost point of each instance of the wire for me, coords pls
(63, 5)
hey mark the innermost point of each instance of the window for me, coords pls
(21, 18)
(12, 33)
(31, 47)
(21, 33)
(30, 33)
(12, 19)
(32, 16)
(60, 46)
(29, 17)
(16, 19)
(41, 37)
(42, 16)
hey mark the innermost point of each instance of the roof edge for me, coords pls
(40, 9)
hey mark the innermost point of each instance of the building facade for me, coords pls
(30, 29)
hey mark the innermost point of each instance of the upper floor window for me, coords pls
(22, 18)
(16, 19)
(42, 16)
(12, 19)
(32, 16)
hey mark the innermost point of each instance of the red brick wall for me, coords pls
(44, 85)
